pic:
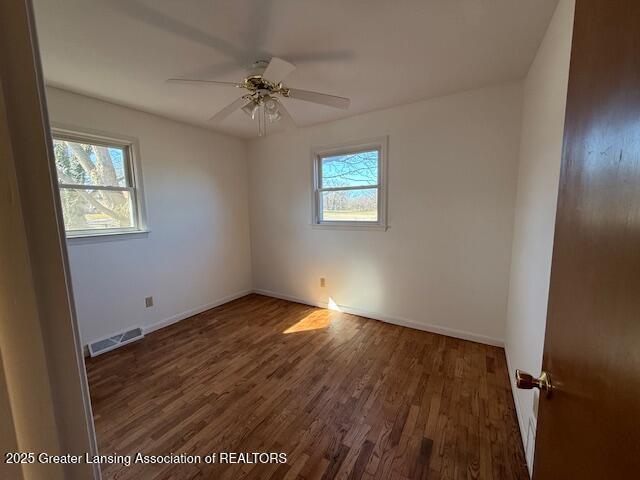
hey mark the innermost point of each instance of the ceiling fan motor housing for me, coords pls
(257, 68)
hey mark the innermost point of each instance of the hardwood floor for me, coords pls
(342, 396)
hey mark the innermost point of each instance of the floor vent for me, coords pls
(115, 341)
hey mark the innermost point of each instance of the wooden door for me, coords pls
(590, 427)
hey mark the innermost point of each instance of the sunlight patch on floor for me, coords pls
(313, 321)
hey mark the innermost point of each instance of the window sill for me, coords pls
(106, 236)
(349, 226)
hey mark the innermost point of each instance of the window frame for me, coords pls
(130, 147)
(318, 153)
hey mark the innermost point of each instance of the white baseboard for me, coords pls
(186, 314)
(522, 423)
(194, 311)
(449, 332)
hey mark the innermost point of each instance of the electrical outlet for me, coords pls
(148, 302)
(323, 283)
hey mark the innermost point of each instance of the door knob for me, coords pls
(526, 381)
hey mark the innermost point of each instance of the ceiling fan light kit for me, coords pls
(266, 108)
(250, 109)
(264, 85)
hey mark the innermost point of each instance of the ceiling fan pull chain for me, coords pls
(262, 122)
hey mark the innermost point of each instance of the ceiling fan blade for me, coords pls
(219, 70)
(287, 120)
(195, 80)
(277, 70)
(328, 56)
(155, 18)
(228, 110)
(260, 18)
(321, 98)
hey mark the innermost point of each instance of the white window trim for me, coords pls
(377, 143)
(131, 144)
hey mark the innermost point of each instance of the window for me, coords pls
(97, 183)
(349, 185)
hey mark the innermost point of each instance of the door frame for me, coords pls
(42, 237)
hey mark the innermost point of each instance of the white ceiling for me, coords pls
(379, 53)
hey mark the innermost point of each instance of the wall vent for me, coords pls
(115, 341)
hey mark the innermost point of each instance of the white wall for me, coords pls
(545, 94)
(197, 253)
(444, 263)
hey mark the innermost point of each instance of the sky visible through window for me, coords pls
(70, 164)
(355, 170)
(352, 170)
(84, 170)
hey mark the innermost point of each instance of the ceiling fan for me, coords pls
(265, 88)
